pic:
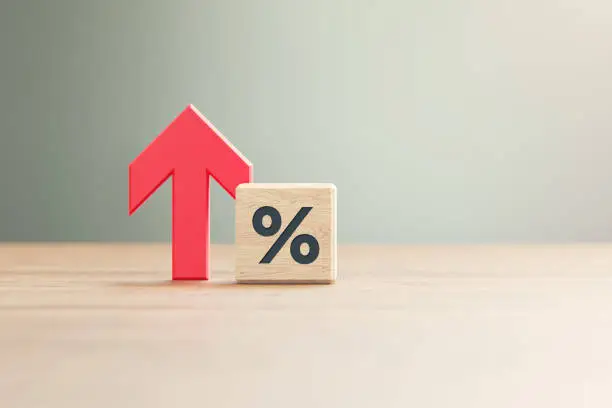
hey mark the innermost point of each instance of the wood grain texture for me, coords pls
(288, 199)
(99, 326)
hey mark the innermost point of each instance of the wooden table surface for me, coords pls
(94, 325)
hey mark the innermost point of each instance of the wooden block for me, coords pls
(286, 233)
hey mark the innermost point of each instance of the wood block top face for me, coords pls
(286, 233)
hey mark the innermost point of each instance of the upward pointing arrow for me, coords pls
(190, 150)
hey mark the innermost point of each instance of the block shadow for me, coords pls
(214, 284)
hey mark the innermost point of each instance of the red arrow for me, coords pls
(189, 149)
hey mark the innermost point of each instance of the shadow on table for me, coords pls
(215, 284)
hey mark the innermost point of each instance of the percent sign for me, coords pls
(296, 243)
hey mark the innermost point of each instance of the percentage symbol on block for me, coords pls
(296, 242)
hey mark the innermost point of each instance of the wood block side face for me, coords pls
(320, 222)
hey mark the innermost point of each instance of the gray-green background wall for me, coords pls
(451, 121)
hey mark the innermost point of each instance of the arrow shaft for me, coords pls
(190, 224)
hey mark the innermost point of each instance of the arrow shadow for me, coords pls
(217, 284)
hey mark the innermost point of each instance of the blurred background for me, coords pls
(450, 121)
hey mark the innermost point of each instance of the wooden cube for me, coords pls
(286, 233)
